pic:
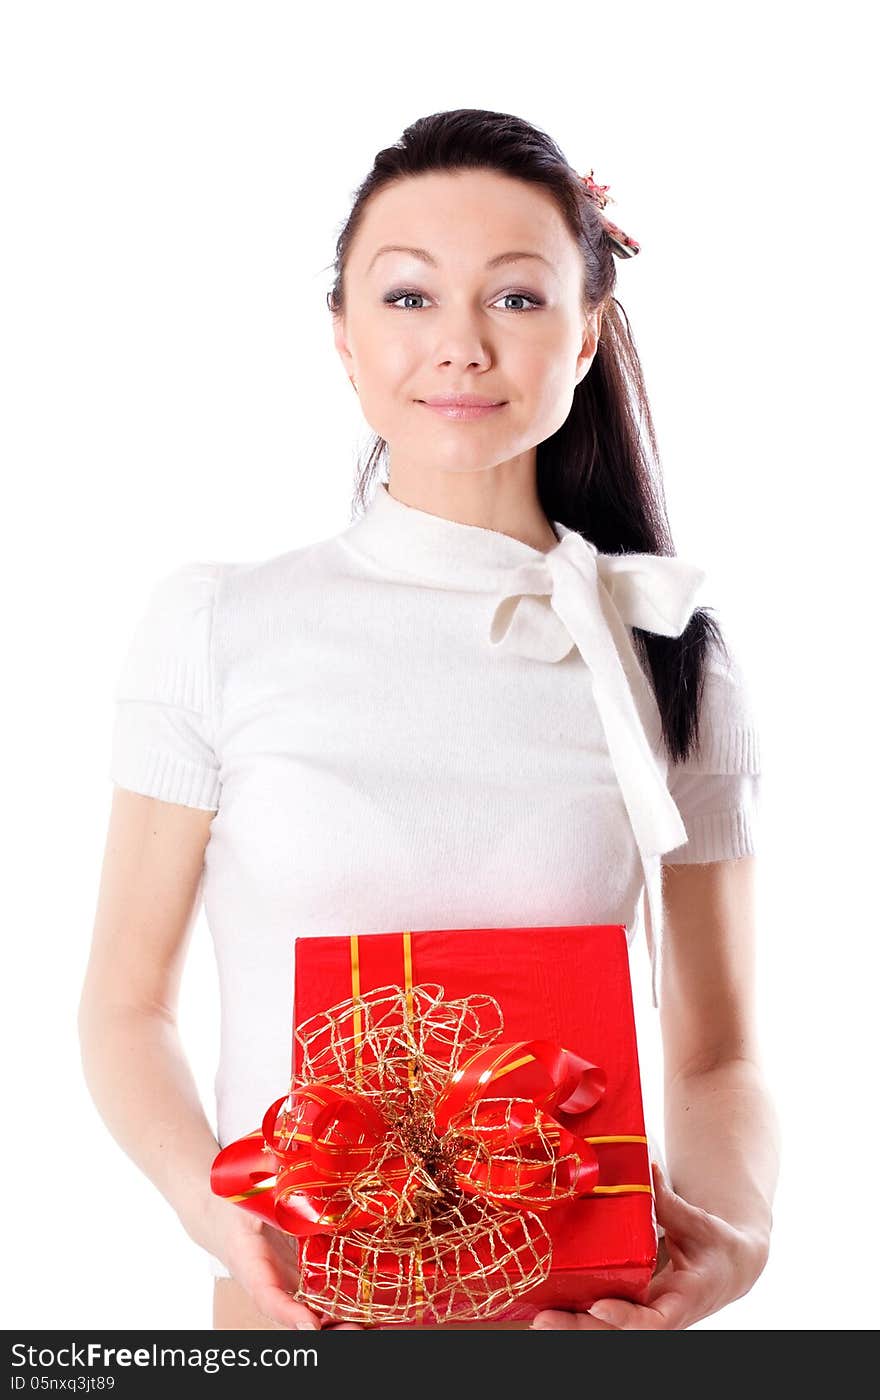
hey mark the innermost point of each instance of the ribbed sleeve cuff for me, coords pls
(716, 836)
(735, 748)
(172, 779)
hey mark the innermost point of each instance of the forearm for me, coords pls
(142, 1085)
(722, 1144)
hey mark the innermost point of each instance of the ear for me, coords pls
(341, 343)
(592, 330)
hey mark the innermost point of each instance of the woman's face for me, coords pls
(470, 320)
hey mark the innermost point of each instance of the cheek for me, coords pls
(396, 368)
(547, 384)
(539, 363)
(392, 376)
(386, 355)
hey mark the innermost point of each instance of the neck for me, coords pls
(501, 498)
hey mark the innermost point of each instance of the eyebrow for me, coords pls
(425, 256)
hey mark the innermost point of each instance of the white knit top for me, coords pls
(417, 723)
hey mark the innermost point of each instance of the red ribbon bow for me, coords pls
(334, 1163)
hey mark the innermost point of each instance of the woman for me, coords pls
(406, 725)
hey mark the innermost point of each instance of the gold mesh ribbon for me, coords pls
(438, 1252)
(415, 1155)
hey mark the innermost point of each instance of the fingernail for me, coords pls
(549, 1320)
(306, 1326)
(603, 1314)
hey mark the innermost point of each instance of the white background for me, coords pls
(174, 177)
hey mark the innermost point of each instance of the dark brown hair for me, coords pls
(597, 474)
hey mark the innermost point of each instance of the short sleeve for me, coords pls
(163, 739)
(716, 789)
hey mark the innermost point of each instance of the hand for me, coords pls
(264, 1260)
(711, 1263)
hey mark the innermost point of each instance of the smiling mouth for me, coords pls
(462, 412)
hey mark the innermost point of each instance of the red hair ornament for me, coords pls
(621, 244)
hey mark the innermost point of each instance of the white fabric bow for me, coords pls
(577, 597)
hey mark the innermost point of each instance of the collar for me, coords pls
(430, 549)
(544, 604)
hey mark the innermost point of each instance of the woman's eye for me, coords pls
(520, 296)
(394, 297)
(403, 295)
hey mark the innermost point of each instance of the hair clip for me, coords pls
(621, 243)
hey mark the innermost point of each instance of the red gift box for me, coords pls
(478, 1011)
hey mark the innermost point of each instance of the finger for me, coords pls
(666, 1312)
(627, 1316)
(671, 1208)
(552, 1321)
(680, 1254)
(659, 1284)
(274, 1301)
(675, 1214)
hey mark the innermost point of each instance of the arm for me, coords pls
(722, 1138)
(722, 1133)
(133, 1059)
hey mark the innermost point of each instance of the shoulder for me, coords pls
(283, 577)
(184, 602)
(729, 730)
(717, 787)
(205, 613)
(168, 654)
(163, 731)
(185, 591)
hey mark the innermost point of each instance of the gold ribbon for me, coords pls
(408, 987)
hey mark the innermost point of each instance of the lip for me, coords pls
(461, 406)
(468, 400)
